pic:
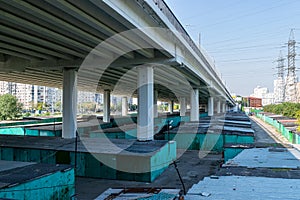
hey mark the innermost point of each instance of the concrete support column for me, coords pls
(205, 108)
(145, 125)
(218, 106)
(155, 110)
(106, 106)
(124, 106)
(210, 106)
(224, 108)
(171, 106)
(182, 106)
(194, 105)
(69, 125)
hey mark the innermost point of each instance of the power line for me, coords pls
(229, 51)
(284, 26)
(255, 40)
(247, 59)
(210, 11)
(279, 85)
(290, 85)
(235, 18)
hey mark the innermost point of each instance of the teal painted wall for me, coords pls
(209, 141)
(230, 153)
(94, 165)
(60, 185)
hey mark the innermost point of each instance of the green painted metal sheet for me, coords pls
(205, 114)
(206, 142)
(7, 153)
(131, 134)
(60, 185)
(32, 132)
(80, 166)
(48, 156)
(96, 169)
(12, 131)
(212, 142)
(37, 121)
(230, 153)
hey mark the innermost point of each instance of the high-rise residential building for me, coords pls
(31, 95)
(23, 92)
(298, 92)
(84, 96)
(279, 90)
(263, 93)
(259, 92)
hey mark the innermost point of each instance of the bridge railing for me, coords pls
(174, 21)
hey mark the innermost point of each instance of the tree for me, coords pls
(57, 106)
(287, 109)
(10, 108)
(86, 107)
(298, 119)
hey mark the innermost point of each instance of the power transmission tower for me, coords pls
(279, 82)
(291, 79)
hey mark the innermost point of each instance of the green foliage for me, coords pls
(87, 107)
(41, 106)
(163, 107)
(57, 113)
(10, 108)
(27, 114)
(133, 107)
(47, 114)
(298, 119)
(117, 107)
(57, 105)
(287, 109)
(176, 107)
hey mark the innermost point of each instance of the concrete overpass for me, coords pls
(130, 48)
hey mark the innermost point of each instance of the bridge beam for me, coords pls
(69, 125)
(106, 106)
(194, 105)
(145, 125)
(210, 106)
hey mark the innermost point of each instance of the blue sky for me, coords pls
(243, 37)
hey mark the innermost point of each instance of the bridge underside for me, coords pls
(96, 46)
(127, 48)
(40, 39)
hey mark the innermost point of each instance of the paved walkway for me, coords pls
(266, 134)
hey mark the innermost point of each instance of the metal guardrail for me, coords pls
(174, 21)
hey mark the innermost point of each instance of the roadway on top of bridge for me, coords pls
(105, 41)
